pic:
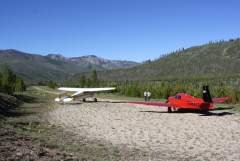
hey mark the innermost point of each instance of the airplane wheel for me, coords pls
(169, 109)
(84, 100)
(95, 99)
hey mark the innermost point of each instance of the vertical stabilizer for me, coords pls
(206, 95)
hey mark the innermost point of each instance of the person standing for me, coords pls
(148, 95)
(145, 96)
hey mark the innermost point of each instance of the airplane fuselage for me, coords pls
(82, 97)
(183, 100)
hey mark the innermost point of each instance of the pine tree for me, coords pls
(82, 81)
(8, 80)
(89, 82)
(19, 85)
(1, 88)
(52, 84)
(94, 78)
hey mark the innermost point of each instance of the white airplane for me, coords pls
(81, 93)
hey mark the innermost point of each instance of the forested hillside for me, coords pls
(215, 59)
(215, 64)
(35, 68)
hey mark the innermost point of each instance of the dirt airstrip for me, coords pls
(149, 133)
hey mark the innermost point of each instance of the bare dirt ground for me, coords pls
(16, 123)
(149, 133)
(14, 147)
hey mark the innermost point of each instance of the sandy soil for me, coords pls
(157, 134)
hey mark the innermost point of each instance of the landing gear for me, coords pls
(169, 109)
(95, 99)
(84, 99)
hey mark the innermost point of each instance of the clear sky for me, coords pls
(115, 29)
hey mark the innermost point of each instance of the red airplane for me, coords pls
(185, 101)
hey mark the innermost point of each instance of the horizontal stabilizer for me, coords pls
(221, 100)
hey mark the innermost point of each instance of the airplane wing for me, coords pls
(160, 104)
(85, 90)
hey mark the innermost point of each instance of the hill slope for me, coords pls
(214, 59)
(34, 68)
(102, 63)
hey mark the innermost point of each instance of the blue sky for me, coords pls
(115, 29)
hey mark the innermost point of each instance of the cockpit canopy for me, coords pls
(178, 97)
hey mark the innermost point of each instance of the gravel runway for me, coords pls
(160, 135)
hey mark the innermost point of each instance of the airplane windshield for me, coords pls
(178, 97)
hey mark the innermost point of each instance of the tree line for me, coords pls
(219, 87)
(10, 82)
(162, 89)
(82, 82)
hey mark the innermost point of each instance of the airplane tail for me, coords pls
(206, 95)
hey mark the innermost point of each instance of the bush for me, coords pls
(10, 82)
(52, 84)
(19, 85)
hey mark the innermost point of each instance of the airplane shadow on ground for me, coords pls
(216, 114)
(200, 113)
(74, 103)
(114, 101)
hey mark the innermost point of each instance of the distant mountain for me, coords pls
(57, 57)
(92, 61)
(215, 59)
(34, 68)
(103, 63)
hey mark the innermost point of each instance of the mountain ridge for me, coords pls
(215, 59)
(35, 67)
